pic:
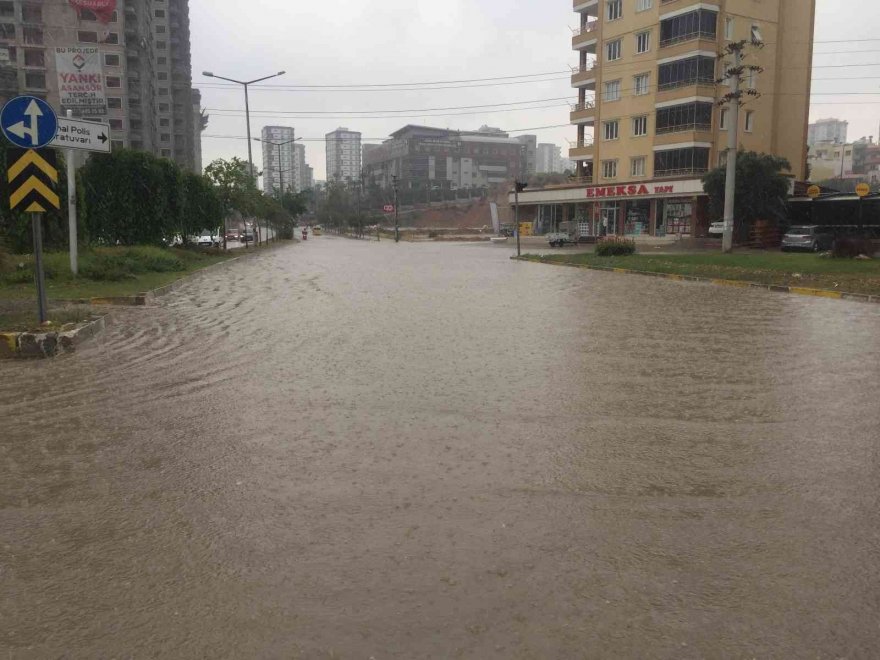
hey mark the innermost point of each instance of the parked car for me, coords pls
(248, 236)
(716, 229)
(233, 235)
(209, 240)
(559, 239)
(814, 238)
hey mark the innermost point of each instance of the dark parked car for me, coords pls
(248, 236)
(813, 238)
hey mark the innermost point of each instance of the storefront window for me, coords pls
(638, 217)
(678, 216)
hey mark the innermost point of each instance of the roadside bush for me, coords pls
(616, 247)
(849, 247)
(109, 267)
(155, 260)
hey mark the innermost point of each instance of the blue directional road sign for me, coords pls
(28, 122)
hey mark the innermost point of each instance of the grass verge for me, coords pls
(104, 272)
(771, 268)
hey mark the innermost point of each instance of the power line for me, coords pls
(458, 107)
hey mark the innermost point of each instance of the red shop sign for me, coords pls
(628, 191)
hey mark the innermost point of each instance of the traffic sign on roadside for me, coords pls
(863, 190)
(813, 192)
(84, 135)
(388, 208)
(32, 177)
(28, 122)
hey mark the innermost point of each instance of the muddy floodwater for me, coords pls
(356, 450)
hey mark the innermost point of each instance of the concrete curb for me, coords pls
(740, 284)
(48, 344)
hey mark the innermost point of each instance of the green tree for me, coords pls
(761, 190)
(236, 188)
(129, 197)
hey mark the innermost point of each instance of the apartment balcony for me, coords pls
(585, 76)
(589, 7)
(586, 38)
(582, 149)
(583, 113)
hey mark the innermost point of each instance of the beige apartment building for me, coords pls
(648, 119)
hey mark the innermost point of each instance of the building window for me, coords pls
(7, 31)
(722, 159)
(612, 91)
(7, 9)
(164, 107)
(722, 119)
(612, 50)
(89, 15)
(116, 125)
(114, 81)
(164, 122)
(34, 57)
(751, 79)
(32, 35)
(609, 169)
(637, 166)
(756, 35)
(729, 27)
(643, 42)
(699, 24)
(696, 116)
(640, 126)
(35, 80)
(699, 70)
(166, 153)
(162, 61)
(160, 29)
(32, 14)
(162, 75)
(114, 103)
(117, 144)
(750, 121)
(613, 9)
(165, 137)
(641, 84)
(163, 91)
(611, 129)
(644, 5)
(111, 60)
(112, 39)
(677, 162)
(161, 45)
(160, 13)
(85, 37)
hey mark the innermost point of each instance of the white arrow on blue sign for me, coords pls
(28, 122)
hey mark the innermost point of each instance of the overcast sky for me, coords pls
(348, 42)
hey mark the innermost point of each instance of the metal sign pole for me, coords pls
(39, 276)
(71, 208)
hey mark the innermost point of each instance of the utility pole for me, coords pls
(396, 211)
(518, 187)
(734, 100)
(70, 155)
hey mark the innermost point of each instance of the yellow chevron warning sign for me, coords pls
(32, 175)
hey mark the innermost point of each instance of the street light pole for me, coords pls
(396, 211)
(247, 114)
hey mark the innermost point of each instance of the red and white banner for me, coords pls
(103, 9)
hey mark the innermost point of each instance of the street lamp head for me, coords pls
(281, 73)
(209, 74)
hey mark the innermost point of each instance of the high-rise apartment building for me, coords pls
(648, 120)
(343, 149)
(278, 159)
(550, 160)
(827, 130)
(144, 50)
(174, 103)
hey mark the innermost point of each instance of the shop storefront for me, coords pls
(652, 208)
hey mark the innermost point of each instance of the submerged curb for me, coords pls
(740, 284)
(48, 344)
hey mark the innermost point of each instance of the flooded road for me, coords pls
(360, 450)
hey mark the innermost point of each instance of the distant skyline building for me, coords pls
(278, 161)
(422, 156)
(827, 130)
(343, 150)
(550, 160)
